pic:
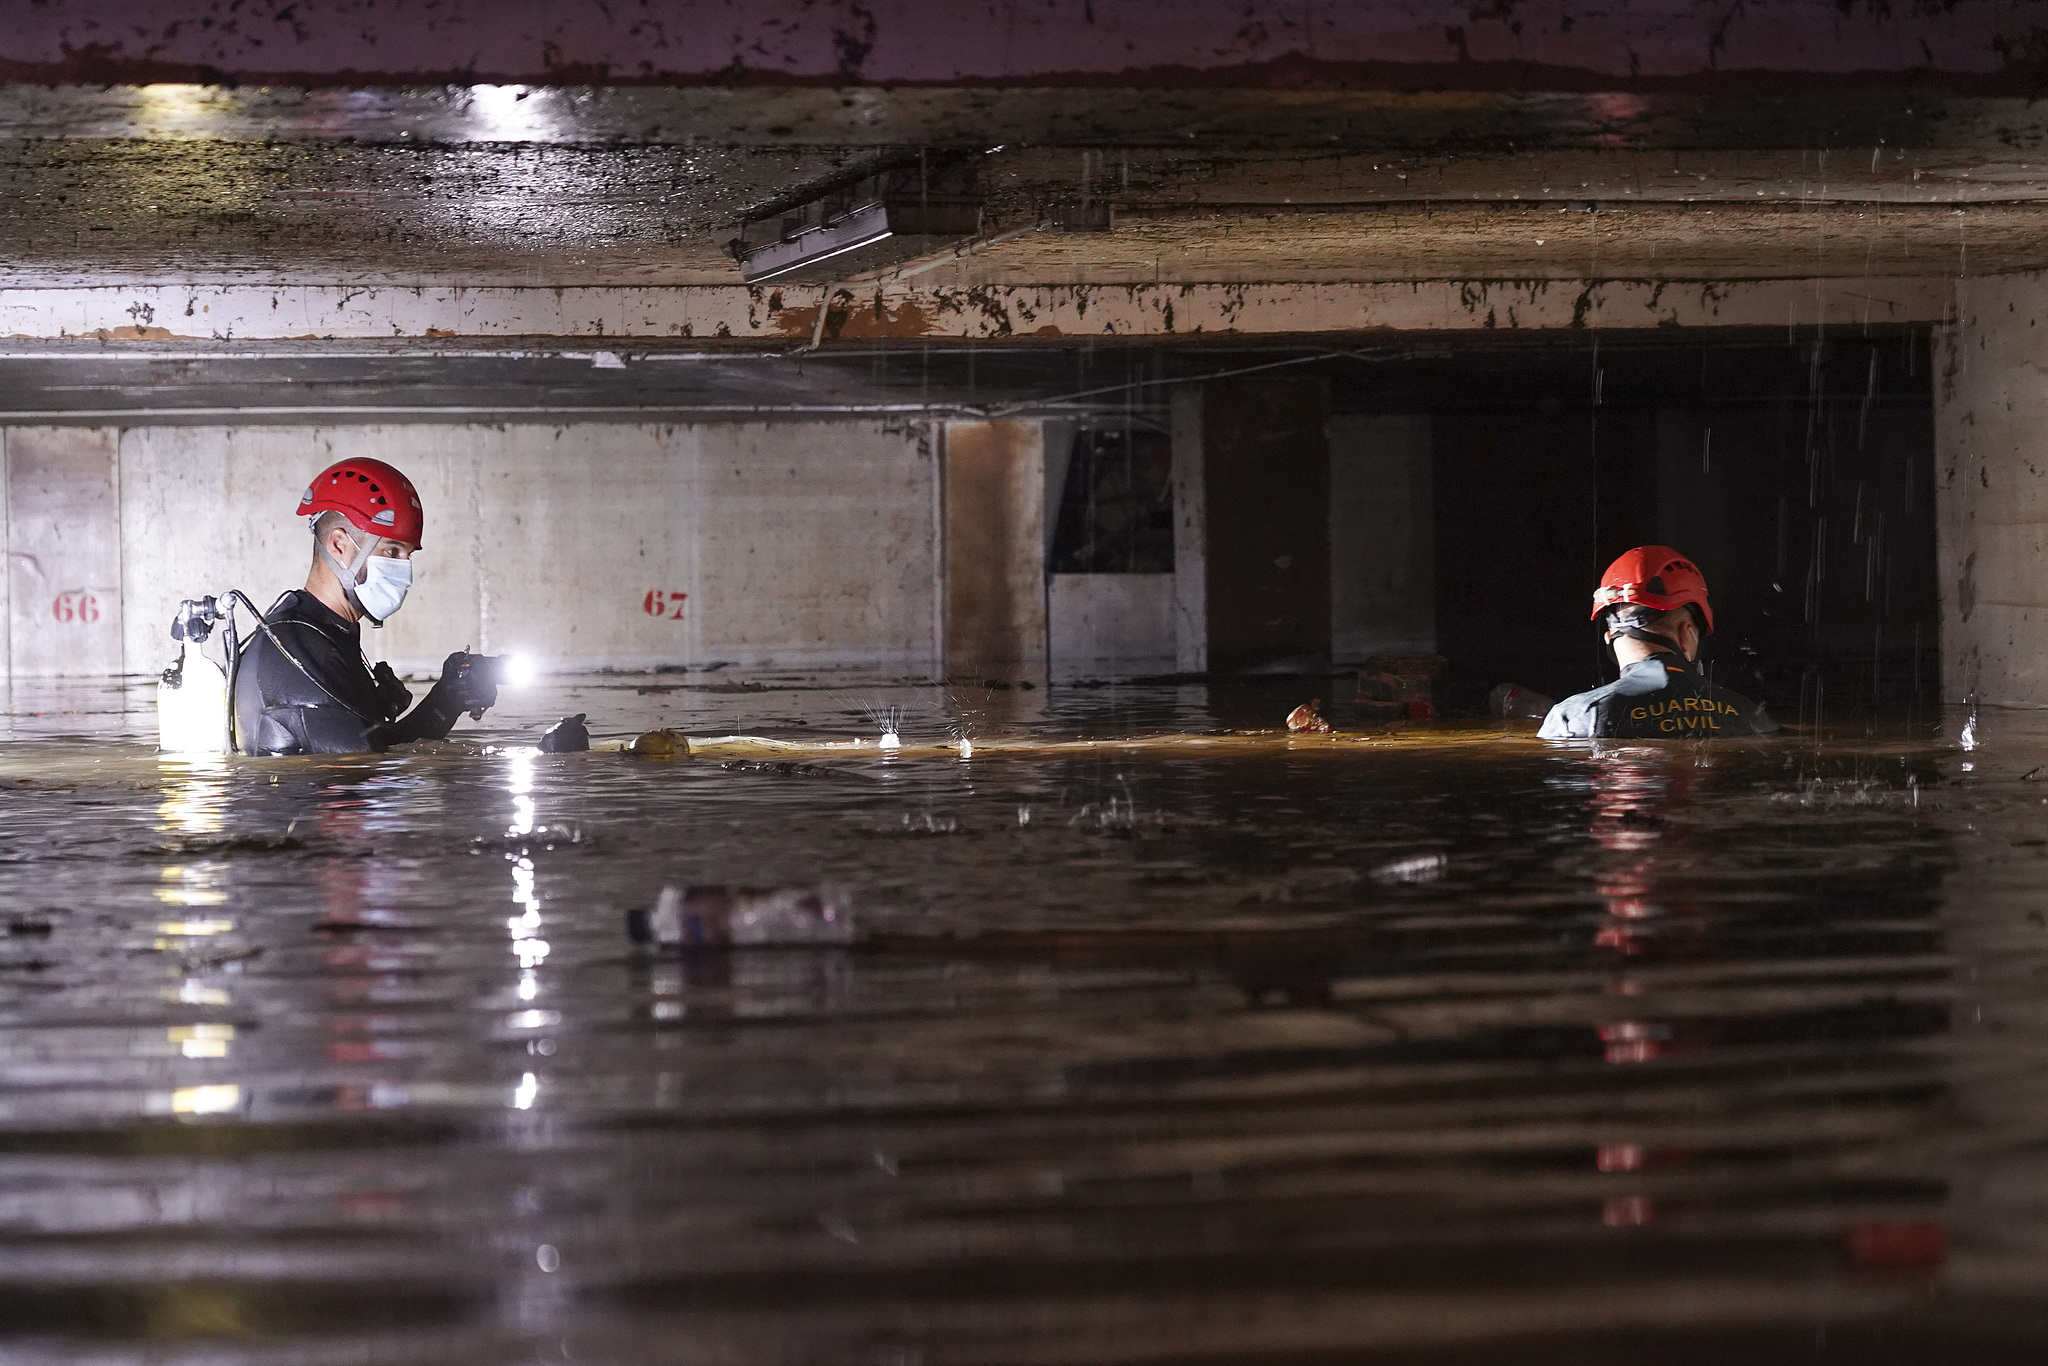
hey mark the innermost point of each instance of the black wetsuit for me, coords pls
(1659, 698)
(335, 704)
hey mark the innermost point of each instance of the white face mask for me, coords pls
(383, 591)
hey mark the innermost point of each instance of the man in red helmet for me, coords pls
(1653, 604)
(303, 686)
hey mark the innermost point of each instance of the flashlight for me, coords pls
(504, 671)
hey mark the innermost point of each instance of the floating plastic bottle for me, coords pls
(743, 917)
(1512, 701)
(1308, 718)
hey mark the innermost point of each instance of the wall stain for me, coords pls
(845, 321)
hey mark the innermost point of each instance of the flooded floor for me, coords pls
(1446, 1045)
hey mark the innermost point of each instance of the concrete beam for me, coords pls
(906, 312)
(1126, 112)
(1428, 44)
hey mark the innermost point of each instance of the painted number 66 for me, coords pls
(79, 605)
(658, 603)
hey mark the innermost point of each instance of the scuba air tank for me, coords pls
(195, 696)
(192, 706)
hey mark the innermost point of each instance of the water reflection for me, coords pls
(195, 792)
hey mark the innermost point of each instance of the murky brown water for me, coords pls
(1446, 1047)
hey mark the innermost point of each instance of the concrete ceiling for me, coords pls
(379, 143)
(102, 210)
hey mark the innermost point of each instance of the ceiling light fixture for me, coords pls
(886, 214)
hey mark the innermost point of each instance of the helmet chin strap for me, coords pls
(1648, 637)
(348, 575)
(1634, 624)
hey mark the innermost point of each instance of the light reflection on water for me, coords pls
(1236, 1046)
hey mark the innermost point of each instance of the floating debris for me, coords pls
(1308, 718)
(541, 838)
(928, 824)
(1421, 868)
(1512, 701)
(224, 846)
(743, 917)
(566, 736)
(789, 768)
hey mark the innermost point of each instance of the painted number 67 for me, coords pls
(661, 603)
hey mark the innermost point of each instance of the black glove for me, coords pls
(468, 683)
(393, 696)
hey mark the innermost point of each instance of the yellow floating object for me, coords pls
(660, 744)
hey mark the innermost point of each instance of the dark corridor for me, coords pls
(1799, 477)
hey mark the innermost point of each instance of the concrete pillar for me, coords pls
(995, 495)
(1991, 492)
(1266, 483)
(1382, 537)
(1190, 536)
(63, 553)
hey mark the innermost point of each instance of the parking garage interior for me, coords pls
(1024, 514)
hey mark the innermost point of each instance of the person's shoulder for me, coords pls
(295, 605)
(1644, 676)
(1573, 718)
(306, 626)
(300, 608)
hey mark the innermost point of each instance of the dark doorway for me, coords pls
(1116, 504)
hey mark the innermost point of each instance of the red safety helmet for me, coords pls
(1658, 577)
(376, 499)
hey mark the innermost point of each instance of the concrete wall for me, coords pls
(589, 546)
(1991, 493)
(1106, 624)
(64, 553)
(1382, 527)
